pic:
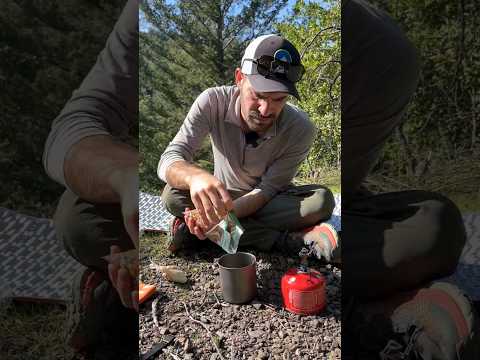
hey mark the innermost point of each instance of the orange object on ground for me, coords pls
(145, 291)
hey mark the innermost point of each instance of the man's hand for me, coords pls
(100, 169)
(195, 225)
(125, 183)
(210, 197)
(123, 281)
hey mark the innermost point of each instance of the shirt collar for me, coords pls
(272, 130)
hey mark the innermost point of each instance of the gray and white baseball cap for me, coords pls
(272, 64)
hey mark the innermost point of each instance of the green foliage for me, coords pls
(442, 121)
(47, 47)
(189, 46)
(192, 46)
(314, 29)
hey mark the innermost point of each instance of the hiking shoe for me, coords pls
(445, 319)
(323, 239)
(84, 315)
(435, 323)
(98, 326)
(179, 237)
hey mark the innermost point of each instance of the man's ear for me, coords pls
(239, 77)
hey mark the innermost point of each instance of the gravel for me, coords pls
(262, 329)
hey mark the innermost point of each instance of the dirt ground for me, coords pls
(213, 329)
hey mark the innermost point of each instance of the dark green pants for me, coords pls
(402, 239)
(294, 209)
(399, 241)
(87, 231)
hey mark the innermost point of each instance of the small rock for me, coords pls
(187, 346)
(262, 356)
(293, 347)
(228, 310)
(255, 334)
(277, 350)
(257, 304)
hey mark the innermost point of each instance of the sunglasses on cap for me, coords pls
(270, 67)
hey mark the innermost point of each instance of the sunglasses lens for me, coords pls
(263, 65)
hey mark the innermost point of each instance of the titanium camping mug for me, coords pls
(238, 277)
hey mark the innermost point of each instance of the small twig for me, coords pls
(154, 313)
(202, 301)
(232, 349)
(270, 306)
(216, 298)
(171, 354)
(218, 301)
(206, 328)
(315, 37)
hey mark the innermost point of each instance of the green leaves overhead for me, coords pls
(47, 47)
(443, 117)
(315, 30)
(189, 45)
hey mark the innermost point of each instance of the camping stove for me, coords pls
(303, 288)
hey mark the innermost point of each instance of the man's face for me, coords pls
(259, 110)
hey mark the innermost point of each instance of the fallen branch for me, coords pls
(206, 328)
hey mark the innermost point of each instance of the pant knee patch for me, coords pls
(320, 204)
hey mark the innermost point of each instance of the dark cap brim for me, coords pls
(261, 84)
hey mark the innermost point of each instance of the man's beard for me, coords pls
(257, 123)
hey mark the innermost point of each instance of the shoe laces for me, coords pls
(177, 222)
(394, 350)
(91, 283)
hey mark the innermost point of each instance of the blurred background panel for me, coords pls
(438, 147)
(46, 49)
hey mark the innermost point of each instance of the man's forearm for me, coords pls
(95, 168)
(249, 203)
(180, 173)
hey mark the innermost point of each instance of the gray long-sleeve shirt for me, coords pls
(269, 167)
(106, 103)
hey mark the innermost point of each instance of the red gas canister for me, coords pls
(303, 292)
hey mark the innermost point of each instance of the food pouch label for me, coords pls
(227, 233)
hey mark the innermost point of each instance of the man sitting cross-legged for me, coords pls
(259, 141)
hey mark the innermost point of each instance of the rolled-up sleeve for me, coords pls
(282, 171)
(106, 103)
(190, 136)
